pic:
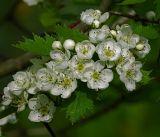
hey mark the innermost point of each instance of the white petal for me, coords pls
(56, 90)
(130, 85)
(107, 75)
(43, 99)
(66, 94)
(34, 116)
(33, 104)
(104, 17)
(3, 121)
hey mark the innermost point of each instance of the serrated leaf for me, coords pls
(39, 45)
(146, 31)
(131, 2)
(146, 78)
(79, 107)
(66, 33)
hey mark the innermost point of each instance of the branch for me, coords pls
(134, 17)
(15, 64)
(97, 114)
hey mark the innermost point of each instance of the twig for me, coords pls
(97, 114)
(134, 17)
(49, 129)
(15, 64)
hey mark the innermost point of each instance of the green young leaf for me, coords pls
(39, 45)
(79, 107)
(146, 31)
(130, 2)
(146, 77)
(66, 33)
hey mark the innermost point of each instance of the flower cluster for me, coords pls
(91, 61)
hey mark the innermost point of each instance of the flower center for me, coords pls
(67, 82)
(44, 110)
(96, 75)
(80, 67)
(130, 73)
(108, 53)
(84, 50)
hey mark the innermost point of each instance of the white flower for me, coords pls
(32, 2)
(65, 85)
(85, 49)
(98, 77)
(126, 55)
(18, 101)
(56, 45)
(90, 15)
(46, 79)
(59, 60)
(69, 44)
(98, 35)
(79, 66)
(108, 50)
(94, 17)
(142, 48)
(130, 74)
(42, 109)
(21, 82)
(126, 38)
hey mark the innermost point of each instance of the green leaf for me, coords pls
(49, 18)
(146, 31)
(80, 107)
(66, 33)
(146, 77)
(39, 45)
(130, 2)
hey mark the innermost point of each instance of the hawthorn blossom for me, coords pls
(108, 50)
(42, 109)
(66, 84)
(98, 77)
(85, 49)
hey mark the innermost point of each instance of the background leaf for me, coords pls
(146, 31)
(66, 33)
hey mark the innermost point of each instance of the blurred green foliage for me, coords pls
(136, 116)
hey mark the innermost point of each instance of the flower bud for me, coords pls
(69, 44)
(98, 11)
(113, 32)
(57, 45)
(150, 15)
(139, 46)
(96, 24)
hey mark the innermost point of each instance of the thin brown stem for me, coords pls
(49, 129)
(134, 17)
